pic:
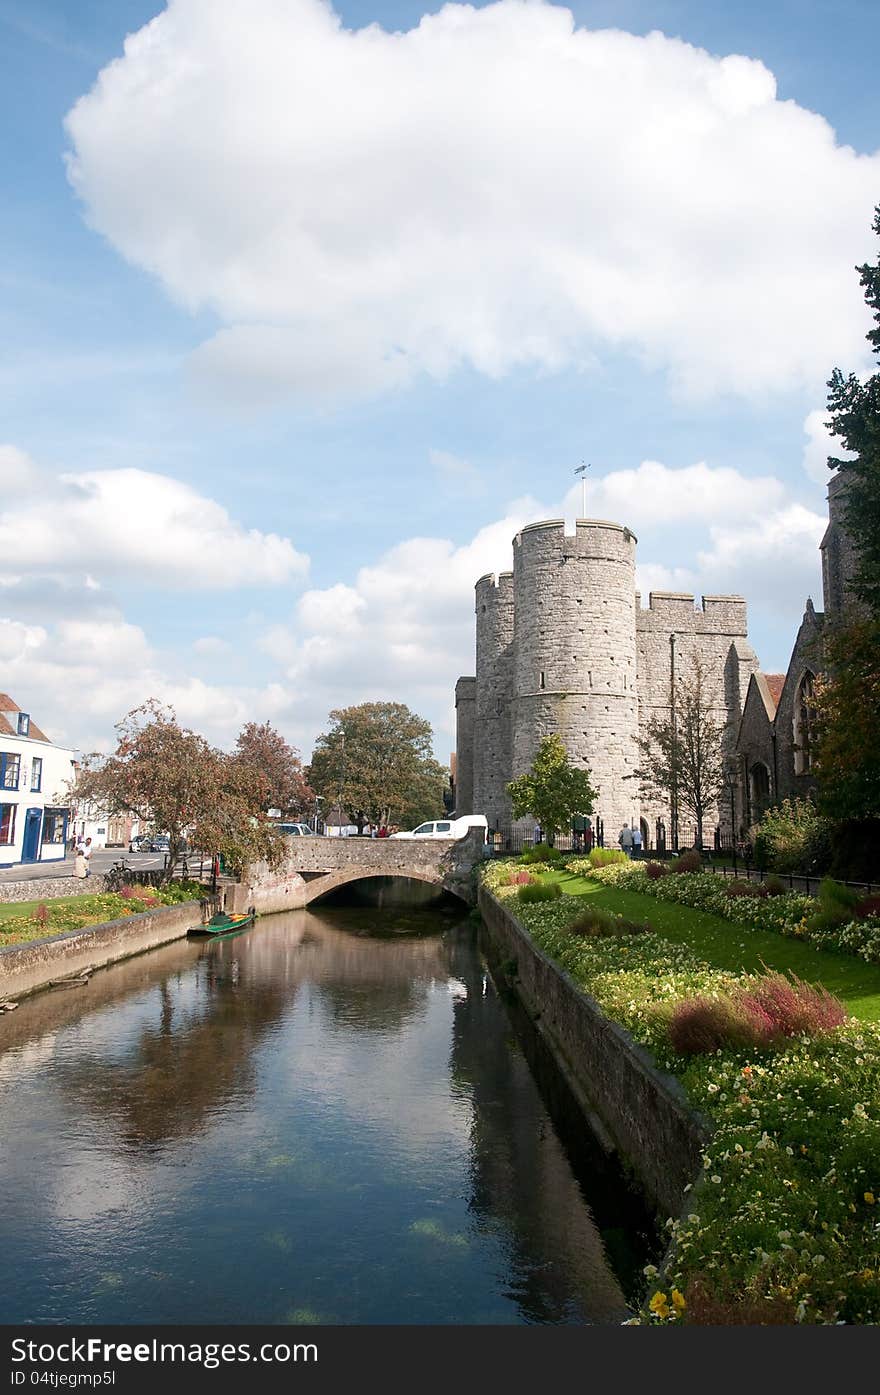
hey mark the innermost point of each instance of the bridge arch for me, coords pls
(321, 886)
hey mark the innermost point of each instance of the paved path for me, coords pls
(102, 860)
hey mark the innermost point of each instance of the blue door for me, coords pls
(31, 844)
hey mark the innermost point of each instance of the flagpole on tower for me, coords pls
(582, 471)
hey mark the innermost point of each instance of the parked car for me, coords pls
(296, 830)
(162, 843)
(141, 843)
(447, 828)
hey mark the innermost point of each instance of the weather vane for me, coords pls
(582, 471)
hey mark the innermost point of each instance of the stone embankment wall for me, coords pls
(643, 1111)
(24, 968)
(46, 888)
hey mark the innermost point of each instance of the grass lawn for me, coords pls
(739, 948)
(27, 908)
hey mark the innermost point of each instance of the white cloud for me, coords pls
(211, 646)
(19, 476)
(654, 495)
(820, 445)
(133, 524)
(459, 476)
(492, 188)
(773, 561)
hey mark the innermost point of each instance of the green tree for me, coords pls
(553, 791)
(279, 766)
(173, 779)
(854, 408)
(846, 747)
(847, 700)
(682, 755)
(377, 764)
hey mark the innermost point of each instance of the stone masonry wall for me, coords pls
(494, 695)
(465, 716)
(575, 653)
(563, 646)
(716, 634)
(45, 888)
(644, 1111)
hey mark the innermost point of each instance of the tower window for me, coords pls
(542, 678)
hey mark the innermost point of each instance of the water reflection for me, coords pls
(302, 1123)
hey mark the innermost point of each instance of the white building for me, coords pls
(35, 779)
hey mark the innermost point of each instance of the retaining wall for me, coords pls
(25, 968)
(644, 1111)
(46, 888)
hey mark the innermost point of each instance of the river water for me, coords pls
(309, 1122)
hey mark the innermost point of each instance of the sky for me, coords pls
(305, 311)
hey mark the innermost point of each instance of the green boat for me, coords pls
(223, 924)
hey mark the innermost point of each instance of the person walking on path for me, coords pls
(625, 839)
(636, 841)
(80, 867)
(87, 855)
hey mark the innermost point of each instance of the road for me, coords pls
(102, 860)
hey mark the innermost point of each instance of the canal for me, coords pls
(330, 1118)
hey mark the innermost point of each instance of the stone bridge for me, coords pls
(316, 866)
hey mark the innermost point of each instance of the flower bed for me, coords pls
(75, 913)
(787, 914)
(785, 1220)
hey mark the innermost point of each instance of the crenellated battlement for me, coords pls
(678, 609)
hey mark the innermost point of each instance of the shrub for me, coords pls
(701, 1025)
(837, 906)
(539, 891)
(791, 1007)
(775, 886)
(519, 879)
(869, 905)
(792, 837)
(770, 1009)
(656, 870)
(690, 861)
(541, 852)
(738, 887)
(603, 857)
(595, 921)
(41, 914)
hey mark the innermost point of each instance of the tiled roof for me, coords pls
(775, 682)
(6, 727)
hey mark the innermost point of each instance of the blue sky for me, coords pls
(301, 321)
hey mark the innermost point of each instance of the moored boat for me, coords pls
(222, 924)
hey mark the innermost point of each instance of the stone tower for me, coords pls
(575, 653)
(494, 690)
(564, 647)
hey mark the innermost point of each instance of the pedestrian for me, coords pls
(637, 841)
(625, 839)
(588, 837)
(537, 834)
(87, 854)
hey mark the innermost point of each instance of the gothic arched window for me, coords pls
(802, 725)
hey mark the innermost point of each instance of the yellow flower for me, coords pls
(659, 1305)
(870, 1198)
(678, 1301)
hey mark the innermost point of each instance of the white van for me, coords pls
(447, 828)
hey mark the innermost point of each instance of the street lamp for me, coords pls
(319, 799)
(730, 781)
